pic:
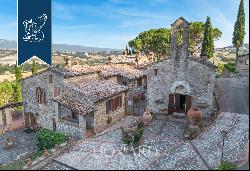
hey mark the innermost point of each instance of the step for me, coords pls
(178, 120)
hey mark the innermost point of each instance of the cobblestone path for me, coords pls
(163, 148)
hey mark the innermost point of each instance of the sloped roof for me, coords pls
(97, 90)
(83, 107)
(123, 70)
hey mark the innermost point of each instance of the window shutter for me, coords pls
(107, 107)
(113, 104)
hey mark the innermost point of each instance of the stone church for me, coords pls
(182, 81)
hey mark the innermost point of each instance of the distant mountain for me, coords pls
(80, 48)
(7, 44)
(243, 49)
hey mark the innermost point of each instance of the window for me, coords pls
(50, 78)
(139, 82)
(56, 91)
(155, 72)
(40, 95)
(108, 106)
(133, 83)
(247, 61)
(124, 83)
(74, 115)
(113, 104)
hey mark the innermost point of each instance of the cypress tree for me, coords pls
(18, 84)
(239, 29)
(208, 41)
(34, 67)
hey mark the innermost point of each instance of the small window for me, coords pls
(108, 106)
(247, 61)
(57, 91)
(139, 82)
(50, 78)
(155, 72)
(124, 83)
(74, 115)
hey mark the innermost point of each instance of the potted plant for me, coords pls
(147, 118)
(194, 116)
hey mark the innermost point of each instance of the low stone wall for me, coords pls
(70, 130)
(40, 162)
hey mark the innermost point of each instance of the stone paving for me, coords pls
(24, 143)
(163, 148)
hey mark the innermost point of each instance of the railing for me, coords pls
(11, 105)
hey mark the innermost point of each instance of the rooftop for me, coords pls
(97, 90)
(123, 70)
(82, 107)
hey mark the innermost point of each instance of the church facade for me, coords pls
(183, 81)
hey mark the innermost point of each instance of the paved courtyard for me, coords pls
(163, 147)
(23, 143)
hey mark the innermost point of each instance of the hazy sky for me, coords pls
(112, 23)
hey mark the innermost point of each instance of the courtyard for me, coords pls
(163, 147)
(24, 143)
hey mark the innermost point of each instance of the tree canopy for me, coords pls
(239, 28)
(159, 40)
(208, 41)
(34, 67)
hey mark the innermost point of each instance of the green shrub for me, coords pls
(47, 139)
(227, 166)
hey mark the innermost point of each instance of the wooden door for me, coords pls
(188, 103)
(33, 120)
(26, 120)
(171, 104)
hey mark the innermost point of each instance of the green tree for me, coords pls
(239, 29)
(196, 35)
(34, 67)
(18, 84)
(208, 41)
(159, 40)
(6, 92)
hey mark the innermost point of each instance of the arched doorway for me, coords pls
(179, 100)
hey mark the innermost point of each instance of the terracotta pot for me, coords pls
(45, 152)
(29, 162)
(194, 115)
(147, 118)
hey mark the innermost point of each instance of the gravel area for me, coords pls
(23, 143)
(163, 148)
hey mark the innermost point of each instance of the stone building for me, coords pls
(242, 65)
(6, 116)
(74, 103)
(176, 84)
(123, 74)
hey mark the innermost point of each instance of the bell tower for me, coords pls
(179, 39)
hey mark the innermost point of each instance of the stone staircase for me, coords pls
(179, 117)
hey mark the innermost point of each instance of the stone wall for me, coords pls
(100, 116)
(70, 129)
(197, 78)
(43, 112)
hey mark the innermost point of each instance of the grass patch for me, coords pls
(227, 166)
(19, 164)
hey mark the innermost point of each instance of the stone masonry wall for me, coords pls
(198, 80)
(100, 116)
(43, 112)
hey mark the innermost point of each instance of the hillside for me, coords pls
(7, 44)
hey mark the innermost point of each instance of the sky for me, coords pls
(112, 23)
